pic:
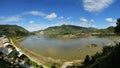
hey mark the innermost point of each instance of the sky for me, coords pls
(39, 14)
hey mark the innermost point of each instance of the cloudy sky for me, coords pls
(40, 14)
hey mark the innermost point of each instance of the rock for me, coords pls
(92, 45)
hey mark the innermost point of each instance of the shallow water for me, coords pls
(65, 49)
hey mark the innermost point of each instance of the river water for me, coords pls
(64, 49)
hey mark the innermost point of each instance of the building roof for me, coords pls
(1, 49)
(17, 49)
(7, 51)
(5, 40)
(20, 54)
(6, 44)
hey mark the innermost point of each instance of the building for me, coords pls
(5, 40)
(20, 52)
(6, 44)
(7, 51)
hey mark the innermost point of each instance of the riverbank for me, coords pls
(40, 58)
(28, 55)
(74, 36)
(14, 56)
(36, 57)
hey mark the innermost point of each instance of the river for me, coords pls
(64, 49)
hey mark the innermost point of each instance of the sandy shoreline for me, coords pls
(35, 57)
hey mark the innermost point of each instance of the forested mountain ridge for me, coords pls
(65, 29)
(13, 30)
(73, 29)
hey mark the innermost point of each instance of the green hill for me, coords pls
(13, 30)
(67, 29)
(77, 31)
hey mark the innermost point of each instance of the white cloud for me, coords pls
(39, 26)
(44, 15)
(83, 20)
(87, 25)
(111, 20)
(31, 22)
(61, 17)
(10, 19)
(112, 24)
(96, 5)
(65, 18)
(36, 13)
(33, 27)
(51, 16)
(92, 20)
(68, 18)
(1, 17)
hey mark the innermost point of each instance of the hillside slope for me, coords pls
(68, 29)
(109, 58)
(13, 30)
(76, 30)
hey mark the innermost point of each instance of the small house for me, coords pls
(6, 44)
(7, 50)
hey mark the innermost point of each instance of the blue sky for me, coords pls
(40, 14)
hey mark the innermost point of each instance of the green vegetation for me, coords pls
(77, 31)
(108, 58)
(13, 30)
(16, 32)
(4, 64)
(53, 66)
(99, 60)
(117, 28)
(87, 60)
(67, 29)
(35, 64)
(14, 54)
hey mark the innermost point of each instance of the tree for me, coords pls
(40, 66)
(87, 60)
(107, 49)
(93, 59)
(117, 28)
(53, 66)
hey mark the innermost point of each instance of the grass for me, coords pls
(75, 54)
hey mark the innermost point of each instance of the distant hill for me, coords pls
(73, 29)
(111, 28)
(13, 30)
(68, 29)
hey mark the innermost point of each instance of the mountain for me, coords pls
(111, 28)
(67, 29)
(13, 30)
(109, 31)
(76, 31)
